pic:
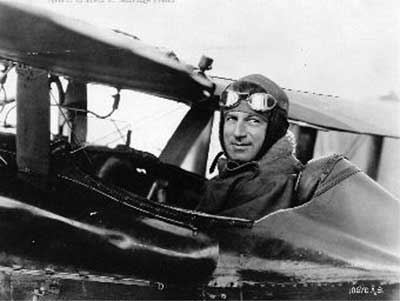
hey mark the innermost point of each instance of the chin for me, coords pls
(241, 157)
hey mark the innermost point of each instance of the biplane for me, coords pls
(83, 221)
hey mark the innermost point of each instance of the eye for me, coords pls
(254, 120)
(230, 118)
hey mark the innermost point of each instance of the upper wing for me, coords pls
(88, 53)
(374, 118)
(76, 49)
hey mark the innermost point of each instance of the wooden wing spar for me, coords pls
(65, 46)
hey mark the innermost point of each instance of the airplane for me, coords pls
(85, 221)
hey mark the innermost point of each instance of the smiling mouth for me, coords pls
(236, 145)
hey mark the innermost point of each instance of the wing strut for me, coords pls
(76, 98)
(33, 121)
(188, 146)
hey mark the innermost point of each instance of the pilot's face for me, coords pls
(243, 135)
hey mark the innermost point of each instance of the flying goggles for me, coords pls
(259, 102)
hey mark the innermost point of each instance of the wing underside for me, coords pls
(79, 50)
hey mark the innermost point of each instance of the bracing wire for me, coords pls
(3, 101)
(5, 124)
(68, 123)
(88, 112)
(70, 127)
(3, 78)
(116, 97)
(119, 131)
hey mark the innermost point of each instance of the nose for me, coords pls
(240, 130)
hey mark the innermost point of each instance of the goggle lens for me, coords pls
(259, 102)
(231, 99)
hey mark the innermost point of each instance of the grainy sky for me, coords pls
(343, 47)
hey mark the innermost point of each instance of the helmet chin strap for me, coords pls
(215, 162)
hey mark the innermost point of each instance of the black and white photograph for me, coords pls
(199, 150)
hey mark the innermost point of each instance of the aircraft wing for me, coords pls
(334, 113)
(76, 49)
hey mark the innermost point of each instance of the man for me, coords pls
(259, 171)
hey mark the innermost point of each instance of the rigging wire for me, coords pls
(111, 134)
(70, 127)
(65, 118)
(116, 97)
(3, 79)
(68, 122)
(5, 124)
(116, 127)
(152, 117)
(3, 102)
(88, 112)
